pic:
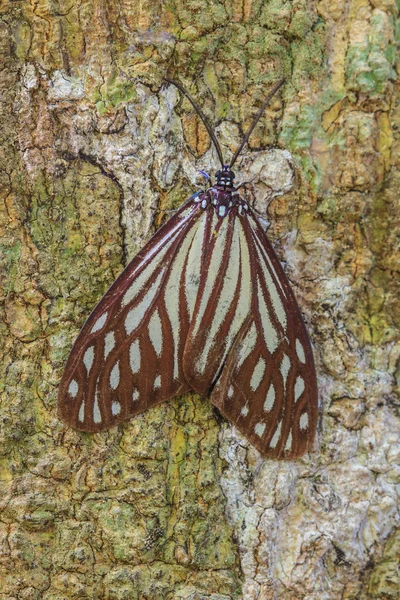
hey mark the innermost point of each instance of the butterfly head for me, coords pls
(225, 178)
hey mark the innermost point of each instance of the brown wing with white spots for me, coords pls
(267, 385)
(128, 355)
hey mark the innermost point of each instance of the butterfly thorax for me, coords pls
(225, 178)
(223, 196)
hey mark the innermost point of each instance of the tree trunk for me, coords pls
(175, 504)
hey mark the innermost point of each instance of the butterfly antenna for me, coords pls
(202, 117)
(255, 121)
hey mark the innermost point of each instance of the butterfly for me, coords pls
(204, 307)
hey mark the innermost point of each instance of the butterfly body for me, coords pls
(204, 307)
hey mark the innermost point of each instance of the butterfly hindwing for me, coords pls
(267, 386)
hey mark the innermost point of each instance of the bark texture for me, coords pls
(175, 505)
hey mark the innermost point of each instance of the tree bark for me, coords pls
(175, 504)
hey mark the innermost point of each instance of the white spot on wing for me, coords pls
(96, 410)
(109, 343)
(245, 410)
(222, 211)
(298, 388)
(270, 399)
(259, 429)
(155, 332)
(88, 358)
(99, 324)
(115, 408)
(284, 368)
(157, 382)
(114, 377)
(276, 436)
(81, 415)
(73, 388)
(300, 351)
(304, 421)
(135, 316)
(135, 394)
(230, 392)
(134, 356)
(288, 445)
(258, 374)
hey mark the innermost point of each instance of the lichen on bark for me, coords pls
(175, 505)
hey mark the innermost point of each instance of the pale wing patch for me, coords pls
(300, 351)
(285, 368)
(299, 388)
(275, 439)
(115, 408)
(270, 399)
(99, 324)
(109, 343)
(288, 445)
(96, 409)
(134, 357)
(114, 377)
(73, 388)
(259, 429)
(304, 421)
(88, 358)
(258, 374)
(155, 333)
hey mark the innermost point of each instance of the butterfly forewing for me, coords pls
(128, 355)
(267, 386)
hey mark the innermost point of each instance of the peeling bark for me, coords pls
(175, 505)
